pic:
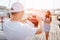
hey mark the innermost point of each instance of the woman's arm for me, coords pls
(48, 21)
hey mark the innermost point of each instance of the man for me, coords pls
(16, 28)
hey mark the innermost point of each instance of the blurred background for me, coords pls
(37, 7)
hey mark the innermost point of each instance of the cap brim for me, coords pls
(13, 11)
(9, 11)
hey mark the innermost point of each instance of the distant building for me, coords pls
(3, 11)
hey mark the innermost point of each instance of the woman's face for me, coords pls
(48, 13)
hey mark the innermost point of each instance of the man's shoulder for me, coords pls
(6, 24)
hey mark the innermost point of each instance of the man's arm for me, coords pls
(39, 30)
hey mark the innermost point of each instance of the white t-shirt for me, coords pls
(18, 31)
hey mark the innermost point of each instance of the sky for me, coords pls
(36, 4)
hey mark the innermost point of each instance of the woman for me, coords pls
(47, 21)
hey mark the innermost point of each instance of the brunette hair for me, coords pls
(49, 13)
(48, 16)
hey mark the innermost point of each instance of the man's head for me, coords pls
(17, 8)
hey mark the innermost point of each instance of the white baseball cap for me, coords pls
(17, 7)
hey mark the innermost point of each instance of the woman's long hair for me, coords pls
(48, 13)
